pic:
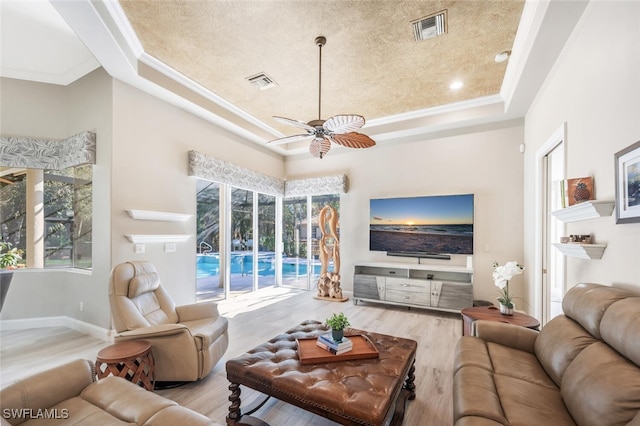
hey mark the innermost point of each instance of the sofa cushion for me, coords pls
(559, 342)
(527, 403)
(480, 394)
(620, 328)
(471, 351)
(587, 303)
(601, 384)
(519, 365)
(77, 411)
(177, 415)
(128, 403)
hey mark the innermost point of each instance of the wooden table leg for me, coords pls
(409, 384)
(408, 393)
(235, 416)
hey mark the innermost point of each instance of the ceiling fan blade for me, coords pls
(295, 123)
(343, 123)
(353, 140)
(319, 147)
(291, 139)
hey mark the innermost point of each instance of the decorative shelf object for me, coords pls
(584, 210)
(157, 238)
(162, 216)
(583, 251)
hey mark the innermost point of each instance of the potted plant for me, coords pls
(501, 277)
(337, 323)
(9, 258)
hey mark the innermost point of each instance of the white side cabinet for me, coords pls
(445, 288)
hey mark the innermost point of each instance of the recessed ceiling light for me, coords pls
(456, 85)
(502, 56)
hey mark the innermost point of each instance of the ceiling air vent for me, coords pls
(262, 81)
(431, 26)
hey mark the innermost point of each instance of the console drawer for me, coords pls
(401, 284)
(409, 297)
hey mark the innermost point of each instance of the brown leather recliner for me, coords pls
(186, 341)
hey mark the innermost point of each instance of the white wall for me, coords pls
(55, 112)
(142, 163)
(150, 156)
(487, 164)
(594, 88)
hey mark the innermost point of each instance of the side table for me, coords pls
(491, 313)
(131, 360)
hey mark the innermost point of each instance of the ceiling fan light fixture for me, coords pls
(339, 129)
(319, 147)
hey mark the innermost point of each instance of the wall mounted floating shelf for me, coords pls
(157, 238)
(583, 251)
(161, 216)
(585, 210)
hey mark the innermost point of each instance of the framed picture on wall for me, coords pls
(627, 163)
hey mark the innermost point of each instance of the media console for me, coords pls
(440, 287)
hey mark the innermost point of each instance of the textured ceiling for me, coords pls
(371, 64)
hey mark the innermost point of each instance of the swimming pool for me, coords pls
(208, 265)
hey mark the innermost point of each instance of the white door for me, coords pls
(553, 261)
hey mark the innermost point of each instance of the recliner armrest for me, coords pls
(513, 336)
(154, 331)
(197, 311)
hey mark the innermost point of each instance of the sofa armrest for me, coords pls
(513, 336)
(197, 311)
(162, 330)
(48, 388)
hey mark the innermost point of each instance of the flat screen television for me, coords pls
(441, 224)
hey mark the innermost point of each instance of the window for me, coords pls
(301, 265)
(208, 286)
(251, 235)
(294, 238)
(241, 243)
(62, 227)
(267, 240)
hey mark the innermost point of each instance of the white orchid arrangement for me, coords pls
(501, 276)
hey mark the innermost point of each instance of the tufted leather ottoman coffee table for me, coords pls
(358, 392)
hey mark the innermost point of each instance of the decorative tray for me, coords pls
(310, 353)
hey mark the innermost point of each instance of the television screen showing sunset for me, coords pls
(432, 224)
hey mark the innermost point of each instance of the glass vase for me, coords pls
(505, 310)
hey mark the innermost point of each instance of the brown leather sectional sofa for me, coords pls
(69, 395)
(581, 368)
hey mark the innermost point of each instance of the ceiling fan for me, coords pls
(339, 129)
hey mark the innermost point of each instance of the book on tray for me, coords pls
(326, 342)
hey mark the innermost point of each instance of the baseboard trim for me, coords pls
(60, 321)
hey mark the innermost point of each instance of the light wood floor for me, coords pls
(253, 320)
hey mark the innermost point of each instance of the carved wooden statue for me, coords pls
(329, 282)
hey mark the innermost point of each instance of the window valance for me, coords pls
(214, 169)
(316, 186)
(211, 168)
(35, 153)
